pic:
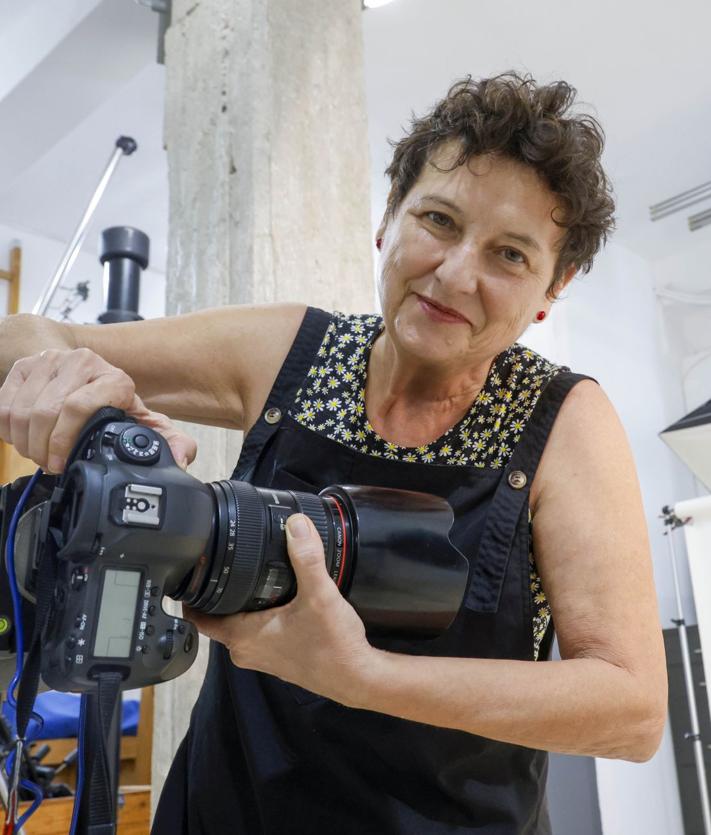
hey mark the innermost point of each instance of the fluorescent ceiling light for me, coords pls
(374, 4)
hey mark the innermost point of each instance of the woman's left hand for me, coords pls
(316, 640)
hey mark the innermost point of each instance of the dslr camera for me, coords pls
(95, 550)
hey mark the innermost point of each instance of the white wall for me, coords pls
(40, 257)
(607, 327)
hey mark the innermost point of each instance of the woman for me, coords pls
(303, 725)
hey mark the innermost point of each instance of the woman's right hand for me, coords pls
(47, 399)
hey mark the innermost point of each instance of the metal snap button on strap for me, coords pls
(517, 479)
(272, 415)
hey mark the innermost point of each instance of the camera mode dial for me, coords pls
(138, 445)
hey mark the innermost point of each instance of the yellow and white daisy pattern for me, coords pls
(332, 403)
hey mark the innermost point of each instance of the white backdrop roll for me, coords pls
(697, 535)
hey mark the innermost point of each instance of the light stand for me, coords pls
(124, 146)
(672, 522)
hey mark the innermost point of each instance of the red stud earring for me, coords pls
(541, 315)
(379, 242)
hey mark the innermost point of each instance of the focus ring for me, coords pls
(313, 507)
(246, 563)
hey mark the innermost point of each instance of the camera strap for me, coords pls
(98, 813)
(29, 683)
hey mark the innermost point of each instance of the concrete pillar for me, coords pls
(265, 130)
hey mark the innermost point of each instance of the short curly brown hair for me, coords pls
(511, 115)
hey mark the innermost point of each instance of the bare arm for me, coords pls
(211, 366)
(22, 335)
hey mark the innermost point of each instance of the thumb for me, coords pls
(182, 446)
(306, 552)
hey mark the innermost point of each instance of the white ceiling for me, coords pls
(77, 74)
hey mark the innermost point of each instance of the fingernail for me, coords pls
(55, 464)
(298, 526)
(184, 464)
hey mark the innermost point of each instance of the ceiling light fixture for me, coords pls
(375, 4)
(699, 220)
(680, 201)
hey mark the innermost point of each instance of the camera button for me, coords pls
(152, 609)
(150, 629)
(166, 644)
(188, 645)
(155, 591)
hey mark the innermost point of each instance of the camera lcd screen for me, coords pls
(116, 614)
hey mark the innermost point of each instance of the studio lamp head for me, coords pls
(690, 439)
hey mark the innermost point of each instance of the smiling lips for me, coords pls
(440, 313)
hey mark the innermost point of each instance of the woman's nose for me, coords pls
(460, 268)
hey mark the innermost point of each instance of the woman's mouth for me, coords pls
(439, 313)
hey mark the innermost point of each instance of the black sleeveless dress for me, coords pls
(265, 757)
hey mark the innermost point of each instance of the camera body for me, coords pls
(119, 547)
(99, 547)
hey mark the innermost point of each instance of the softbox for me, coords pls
(690, 439)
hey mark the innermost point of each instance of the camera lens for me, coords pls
(248, 566)
(388, 551)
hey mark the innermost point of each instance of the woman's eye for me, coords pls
(514, 256)
(438, 218)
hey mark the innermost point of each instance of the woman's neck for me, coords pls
(410, 403)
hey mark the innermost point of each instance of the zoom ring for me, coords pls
(313, 507)
(246, 562)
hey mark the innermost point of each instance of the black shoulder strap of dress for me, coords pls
(291, 375)
(527, 453)
(511, 495)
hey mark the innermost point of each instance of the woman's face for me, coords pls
(478, 240)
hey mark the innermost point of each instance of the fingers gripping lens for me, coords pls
(248, 567)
